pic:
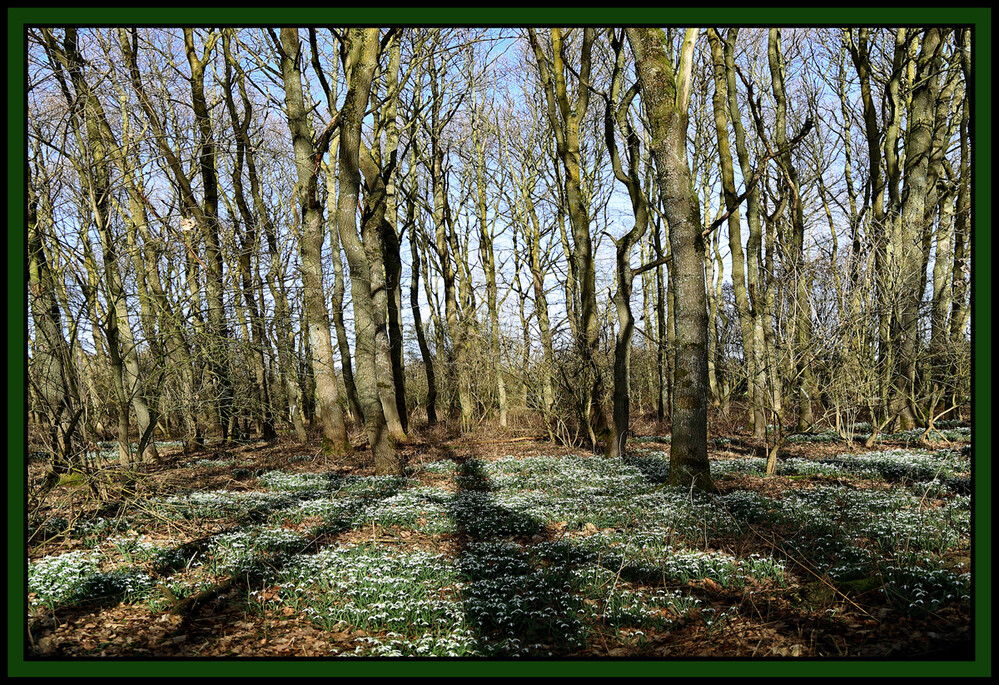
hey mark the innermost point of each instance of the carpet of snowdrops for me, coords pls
(528, 556)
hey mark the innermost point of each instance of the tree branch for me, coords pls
(771, 154)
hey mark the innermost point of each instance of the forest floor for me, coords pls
(501, 546)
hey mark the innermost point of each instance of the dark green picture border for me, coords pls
(980, 18)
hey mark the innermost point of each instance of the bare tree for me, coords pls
(360, 63)
(309, 150)
(665, 93)
(565, 111)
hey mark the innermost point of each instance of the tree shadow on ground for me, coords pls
(517, 598)
(651, 469)
(203, 613)
(521, 593)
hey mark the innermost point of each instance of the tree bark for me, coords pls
(98, 147)
(918, 149)
(565, 117)
(249, 244)
(307, 163)
(616, 118)
(665, 92)
(50, 353)
(362, 58)
(339, 288)
(487, 254)
(744, 280)
(219, 344)
(795, 241)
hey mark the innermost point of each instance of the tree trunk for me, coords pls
(362, 59)
(96, 142)
(442, 223)
(249, 245)
(565, 118)
(219, 344)
(744, 280)
(51, 364)
(616, 117)
(795, 244)
(379, 239)
(487, 254)
(307, 161)
(540, 301)
(665, 97)
(913, 215)
(339, 288)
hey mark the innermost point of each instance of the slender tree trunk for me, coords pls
(219, 344)
(664, 311)
(488, 257)
(442, 222)
(391, 236)
(339, 288)
(565, 118)
(616, 117)
(379, 239)
(540, 301)
(51, 363)
(95, 140)
(962, 222)
(743, 283)
(886, 240)
(421, 338)
(249, 245)
(800, 303)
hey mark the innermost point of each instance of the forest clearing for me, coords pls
(492, 343)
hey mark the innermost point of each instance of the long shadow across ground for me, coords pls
(198, 617)
(516, 598)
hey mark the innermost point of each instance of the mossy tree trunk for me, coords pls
(362, 56)
(308, 158)
(665, 96)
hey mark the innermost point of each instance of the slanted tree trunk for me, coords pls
(215, 355)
